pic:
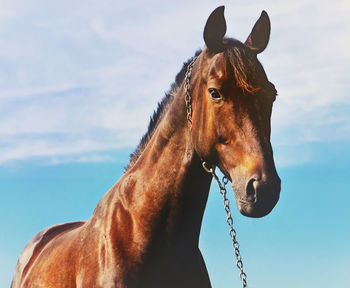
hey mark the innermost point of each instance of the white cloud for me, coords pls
(79, 78)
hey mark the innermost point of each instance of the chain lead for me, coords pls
(188, 98)
(229, 221)
(211, 170)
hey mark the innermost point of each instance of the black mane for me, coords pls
(158, 114)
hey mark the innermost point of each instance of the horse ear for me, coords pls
(260, 35)
(215, 30)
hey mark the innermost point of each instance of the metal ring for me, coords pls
(209, 170)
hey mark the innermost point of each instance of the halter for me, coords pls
(211, 170)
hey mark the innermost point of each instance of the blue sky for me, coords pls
(79, 80)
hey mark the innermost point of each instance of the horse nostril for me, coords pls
(250, 190)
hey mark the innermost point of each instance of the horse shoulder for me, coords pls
(32, 250)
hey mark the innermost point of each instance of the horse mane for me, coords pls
(159, 113)
(244, 70)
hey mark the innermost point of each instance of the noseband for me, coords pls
(211, 170)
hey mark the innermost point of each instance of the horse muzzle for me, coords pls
(259, 198)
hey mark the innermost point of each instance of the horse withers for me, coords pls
(145, 230)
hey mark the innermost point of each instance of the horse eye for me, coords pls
(215, 95)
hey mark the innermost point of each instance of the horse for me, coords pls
(145, 230)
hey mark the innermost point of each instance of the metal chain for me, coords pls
(229, 221)
(223, 191)
(188, 98)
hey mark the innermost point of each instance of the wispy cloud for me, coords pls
(80, 78)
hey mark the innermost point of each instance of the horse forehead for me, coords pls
(218, 67)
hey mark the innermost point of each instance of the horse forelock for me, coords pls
(247, 70)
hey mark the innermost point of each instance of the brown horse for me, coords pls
(145, 230)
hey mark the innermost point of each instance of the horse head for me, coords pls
(232, 105)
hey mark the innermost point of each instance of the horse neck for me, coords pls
(163, 196)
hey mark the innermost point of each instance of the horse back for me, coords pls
(36, 245)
